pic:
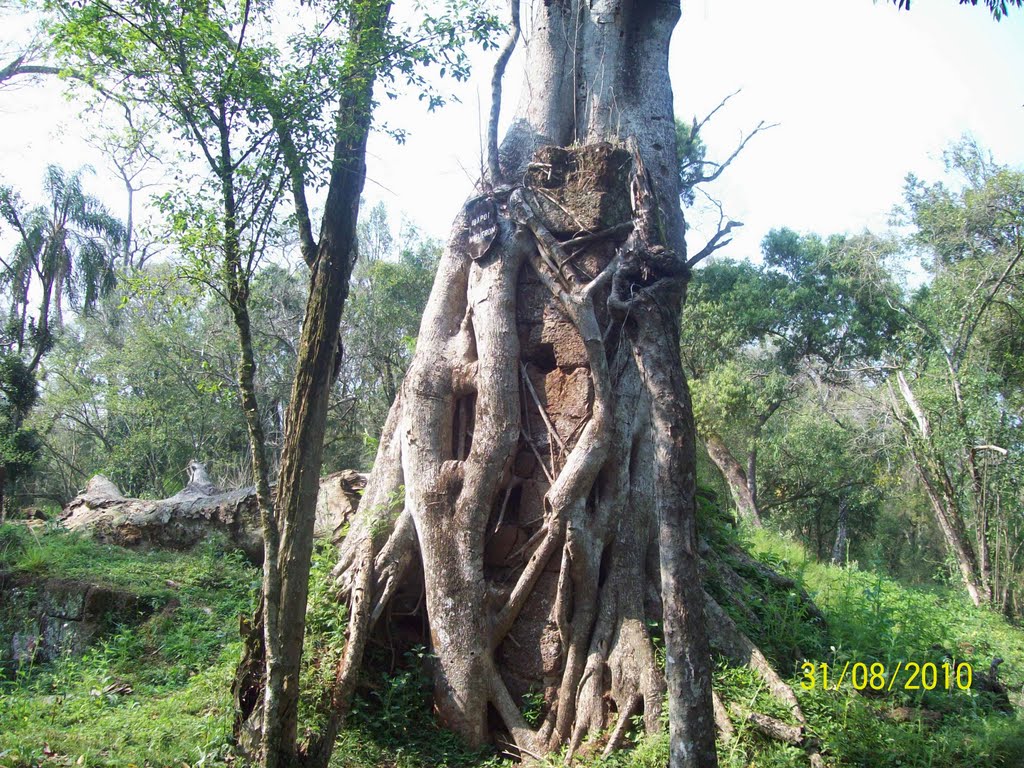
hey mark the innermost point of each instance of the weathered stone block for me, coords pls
(581, 189)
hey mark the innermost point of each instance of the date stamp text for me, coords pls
(906, 676)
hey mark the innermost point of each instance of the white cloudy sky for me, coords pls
(862, 94)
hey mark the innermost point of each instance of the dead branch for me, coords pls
(714, 243)
(718, 241)
(719, 168)
(770, 726)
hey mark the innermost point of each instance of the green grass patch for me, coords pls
(158, 694)
(153, 694)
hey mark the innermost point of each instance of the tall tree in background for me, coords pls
(19, 445)
(147, 382)
(390, 286)
(64, 253)
(65, 249)
(954, 383)
(731, 308)
(823, 469)
(758, 336)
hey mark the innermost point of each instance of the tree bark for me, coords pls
(839, 547)
(752, 472)
(197, 512)
(543, 433)
(939, 489)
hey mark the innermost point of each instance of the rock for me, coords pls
(577, 189)
(533, 647)
(50, 618)
(547, 337)
(502, 547)
(566, 397)
(337, 502)
(179, 522)
(525, 463)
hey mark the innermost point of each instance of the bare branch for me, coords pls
(965, 336)
(697, 126)
(719, 240)
(720, 167)
(714, 243)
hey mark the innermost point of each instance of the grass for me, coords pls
(158, 694)
(871, 619)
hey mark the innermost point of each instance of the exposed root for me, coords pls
(360, 603)
(738, 591)
(722, 721)
(727, 638)
(553, 533)
(769, 726)
(555, 458)
(777, 580)
(615, 741)
(392, 562)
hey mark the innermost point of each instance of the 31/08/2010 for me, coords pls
(861, 676)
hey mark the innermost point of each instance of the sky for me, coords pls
(862, 95)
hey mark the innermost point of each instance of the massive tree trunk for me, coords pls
(536, 475)
(535, 480)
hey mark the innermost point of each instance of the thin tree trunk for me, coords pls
(691, 716)
(752, 472)
(237, 289)
(839, 548)
(939, 489)
(752, 453)
(735, 478)
(302, 454)
(948, 517)
(3, 494)
(42, 334)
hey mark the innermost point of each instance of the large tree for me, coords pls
(535, 478)
(64, 253)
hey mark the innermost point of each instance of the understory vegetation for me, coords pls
(159, 693)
